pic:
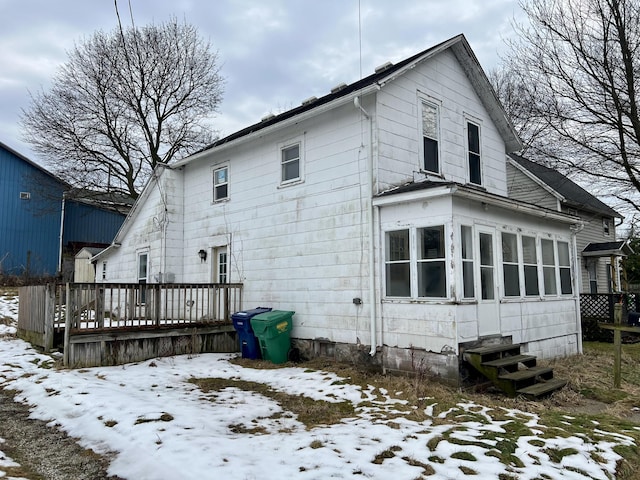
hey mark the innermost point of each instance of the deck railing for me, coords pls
(100, 306)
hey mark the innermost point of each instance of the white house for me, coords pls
(379, 213)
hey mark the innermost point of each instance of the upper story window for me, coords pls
(220, 184)
(290, 162)
(606, 226)
(473, 151)
(430, 137)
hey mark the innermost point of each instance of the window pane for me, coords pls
(473, 134)
(548, 257)
(290, 171)
(467, 280)
(431, 279)
(291, 153)
(486, 281)
(511, 281)
(142, 267)
(431, 242)
(429, 121)
(220, 192)
(221, 176)
(531, 280)
(529, 250)
(549, 280)
(398, 245)
(430, 155)
(475, 175)
(467, 242)
(398, 280)
(486, 249)
(563, 254)
(509, 248)
(565, 281)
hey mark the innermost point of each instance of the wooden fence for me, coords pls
(114, 323)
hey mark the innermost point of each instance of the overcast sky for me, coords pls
(274, 53)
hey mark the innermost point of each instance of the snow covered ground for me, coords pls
(158, 425)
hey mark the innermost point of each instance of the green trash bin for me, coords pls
(272, 329)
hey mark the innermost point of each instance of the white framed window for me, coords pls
(221, 265)
(530, 263)
(473, 153)
(487, 267)
(290, 162)
(510, 265)
(549, 267)
(398, 264)
(564, 265)
(220, 183)
(430, 136)
(431, 262)
(415, 262)
(606, 226)
(143, 272)
(468, 280)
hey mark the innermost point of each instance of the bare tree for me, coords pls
(577, 65)
(124, 102)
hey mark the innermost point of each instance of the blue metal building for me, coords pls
(44, 223)
(30, 207)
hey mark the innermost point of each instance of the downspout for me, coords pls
(575, 229)
(371, 231)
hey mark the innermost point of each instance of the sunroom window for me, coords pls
(398, 267)
(510, 265)
(431, 262)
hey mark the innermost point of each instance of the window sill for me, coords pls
(417, 301)
(290, 183)
(221, 201)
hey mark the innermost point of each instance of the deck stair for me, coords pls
(513, 372)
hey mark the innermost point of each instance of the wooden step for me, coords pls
(542, 388)
(513, 360)
(491, 349)
(526, 374)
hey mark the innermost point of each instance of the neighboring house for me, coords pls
(42, 221)
(379, 213)
(599, 251)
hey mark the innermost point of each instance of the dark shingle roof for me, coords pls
(381, 74)
(574, 195)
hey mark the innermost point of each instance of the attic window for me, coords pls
(25, 195)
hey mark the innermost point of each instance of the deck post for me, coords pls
(617, 345)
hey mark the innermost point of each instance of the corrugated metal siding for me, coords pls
(90, 225)
(29, 229)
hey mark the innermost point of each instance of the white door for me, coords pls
(488, 308)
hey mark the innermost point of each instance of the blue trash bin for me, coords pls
(249, 346)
